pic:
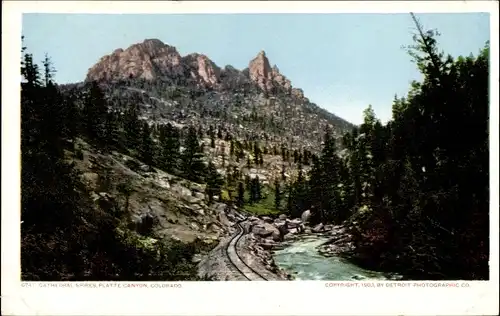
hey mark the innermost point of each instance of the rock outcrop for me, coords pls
(260, 71)
(306, 215)
(148, 60)
(202, 69)
(267, 78)
(153, 59)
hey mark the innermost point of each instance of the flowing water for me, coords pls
(302, 260)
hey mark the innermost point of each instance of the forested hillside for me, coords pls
(414, 191)
(68, 232)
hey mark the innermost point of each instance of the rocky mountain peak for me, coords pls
(260, 71)
(267, 78)
(147, 60)
(153, 59)
(153, 42)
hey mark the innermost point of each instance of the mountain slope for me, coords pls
(257, 103)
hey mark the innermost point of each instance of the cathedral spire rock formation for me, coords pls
(152, 60)
(267, 78)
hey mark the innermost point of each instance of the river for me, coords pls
(301, 259)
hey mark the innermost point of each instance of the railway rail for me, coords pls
(235, 259)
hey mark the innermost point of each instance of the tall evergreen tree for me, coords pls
(132, 127)
(112, 131)
(192, 158)
(147, 148)
(241, 194)
(214, 182)
(95, 112)
(170, 144)
(277, 195)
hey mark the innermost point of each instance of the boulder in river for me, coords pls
(277, 236)
(318, 228)
(294, 223)
(293, 231)
(306, 216)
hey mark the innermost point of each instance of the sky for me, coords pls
(343, 62)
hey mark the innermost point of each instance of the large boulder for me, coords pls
(265, 230)
(318, 228)
(261, 231)
(306, 216)
(267, 219)
(293, 231)
(277, 236)
(294, 223)
(267, 244)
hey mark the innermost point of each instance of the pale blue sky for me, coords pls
(343, 62)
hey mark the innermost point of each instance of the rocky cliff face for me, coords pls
(154, 60)
(202, 69)
(148, 60)
(260, 71)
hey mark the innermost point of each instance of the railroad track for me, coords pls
(232, 253)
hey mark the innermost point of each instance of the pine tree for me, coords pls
(132, 127)
(147, 146)
(223, 154)
(211, 134)
(231, 149)
(212, 141)
(258, 189)
(214, 182)
(330, 174)
(170, 143)
(256, 153)
(241, 194)
(305, 158)
(192, 158)
(112, 133)
(289, 200)
(95, 113)
(277, 195)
